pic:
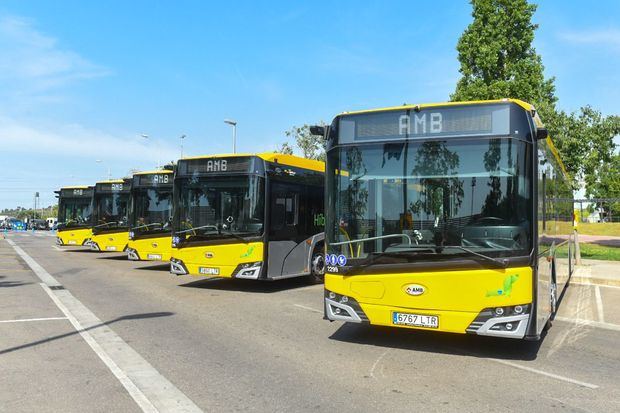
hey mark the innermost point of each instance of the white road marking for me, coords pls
(593, 284)
(24, 320)
(149, 389)
(544, 373)
(591, 323)
(314, 310)
(599, 304)
(371, 373)
(57, 248)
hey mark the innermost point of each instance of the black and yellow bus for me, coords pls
(445, 217)
(110, 215)
(250, 216)
(150, 216)
(75, 209)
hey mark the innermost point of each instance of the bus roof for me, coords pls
(75, 187)
(280, 158)
(158, 171)
(111, 181)
(521, 103)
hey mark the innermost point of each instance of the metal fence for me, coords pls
(604, 209)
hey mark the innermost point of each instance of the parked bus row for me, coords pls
(439, 217)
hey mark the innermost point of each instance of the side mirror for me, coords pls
(317, 130)
(541, 133)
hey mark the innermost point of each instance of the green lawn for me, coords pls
(587, 228)
(599, 252)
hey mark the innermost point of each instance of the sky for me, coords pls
(81, 82)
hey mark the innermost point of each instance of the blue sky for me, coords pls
(81, 81)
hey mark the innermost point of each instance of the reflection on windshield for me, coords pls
(397, 197)
(75, 212)
(111, 211)
(152, 210)
(220, 207)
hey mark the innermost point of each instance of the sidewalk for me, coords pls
(597, 272)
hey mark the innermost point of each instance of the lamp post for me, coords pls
(145, 136)
(181, 139)
(109, 171)
(233, 123)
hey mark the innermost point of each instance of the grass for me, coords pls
(586, 228)
(599, 252)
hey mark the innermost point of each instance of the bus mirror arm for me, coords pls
(541, 133)
(318, 130)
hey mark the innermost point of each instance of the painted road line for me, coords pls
(544, 373)
(151, 391)
(593, 284)
(308, 308)
(583, 322)
(599, 304)
(25, 320)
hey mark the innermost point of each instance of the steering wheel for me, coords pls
(492, 220)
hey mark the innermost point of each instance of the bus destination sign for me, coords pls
(154, 179)
(432, 122)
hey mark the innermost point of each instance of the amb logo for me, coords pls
(507, 290)
(414, 289)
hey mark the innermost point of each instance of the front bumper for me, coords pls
(508, 324)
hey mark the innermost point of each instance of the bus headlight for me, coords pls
(131, 234)
(175, 241)
(248, 270)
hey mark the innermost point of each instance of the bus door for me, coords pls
(287, 253)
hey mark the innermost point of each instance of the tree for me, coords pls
(311, 146)
(498, 61)
(497, 57)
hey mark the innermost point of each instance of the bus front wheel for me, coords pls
(317, 267)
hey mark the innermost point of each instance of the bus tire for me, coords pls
(317, 267)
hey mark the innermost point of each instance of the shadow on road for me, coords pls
(107, 323)
(156, 267)
(87, 250)
(4, 284)
(114, 257)
(436, 342)
(248, 286)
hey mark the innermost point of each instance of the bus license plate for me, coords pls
(154, 257)
(415, 320)
(209, 271)
(110, 248)
(71, 242)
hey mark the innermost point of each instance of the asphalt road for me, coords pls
(245, 346)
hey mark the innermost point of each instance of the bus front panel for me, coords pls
(238, 260)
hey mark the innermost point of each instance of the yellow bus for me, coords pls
(109, 222)
(75, 209)
(443, 217)
(150, 216)
(251, 216)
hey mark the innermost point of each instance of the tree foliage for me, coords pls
(497, 57)
(498, 61)
(311, 146)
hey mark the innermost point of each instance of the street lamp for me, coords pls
(145, 136)
(109, 172)
(181, 139)
(233, 123)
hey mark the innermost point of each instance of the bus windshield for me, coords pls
(111, 211)
(152, 210)
(75, 212)
(220, 207)
(442, 198)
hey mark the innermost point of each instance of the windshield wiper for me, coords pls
(149, 225)
(106, 224)
(503, 263)
(195, 228)
(239, 237)
(376, 255)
